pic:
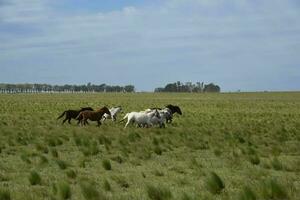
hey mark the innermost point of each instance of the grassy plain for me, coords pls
(224, 146)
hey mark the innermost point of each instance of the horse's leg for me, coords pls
(69, 120)
(64, 120)
(127, 123)
(99, 123)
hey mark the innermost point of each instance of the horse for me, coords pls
(141, 118)
(164, 114)
(92, 115)
(173, 109)
(113, 113)
(72, 114)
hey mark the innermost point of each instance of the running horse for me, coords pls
(92, 115)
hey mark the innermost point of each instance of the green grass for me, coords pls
(250, 140)
(5, 194)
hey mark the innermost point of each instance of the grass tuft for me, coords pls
(61, 164)
(158, 150)
(106, 185)
(34, 178)
(106, 164)
(64, 190)
(254, 159)
(54, 152)
(276, 164)
(121, 181)
(247, 194)
(215, 184)
(90, 192)
(158, 193)
(71, 174)
(5, 194)
(271, 189)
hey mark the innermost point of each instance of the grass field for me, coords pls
(225, 146)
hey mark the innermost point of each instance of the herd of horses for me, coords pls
(146, 118)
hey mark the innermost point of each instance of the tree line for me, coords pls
(47, 88)
(189, 87)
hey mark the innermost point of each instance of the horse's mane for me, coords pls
(103, 109)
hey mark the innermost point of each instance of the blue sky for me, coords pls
(251, 45)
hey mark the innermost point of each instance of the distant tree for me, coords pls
(212, 88)
(129, 88)
(188, 87)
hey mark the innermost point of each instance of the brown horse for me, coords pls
(92, 115)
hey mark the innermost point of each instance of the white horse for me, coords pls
(164, 115)
(113, 111)
(141, 118)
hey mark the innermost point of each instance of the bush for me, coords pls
(64, 190)
(34, 178)
(215, 184)
(106, 164)
(158, 193)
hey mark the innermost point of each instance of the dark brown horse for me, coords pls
(174, 109)
(92, 115)
(72, 114)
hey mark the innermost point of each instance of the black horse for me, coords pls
(72, 114)
(174, 109)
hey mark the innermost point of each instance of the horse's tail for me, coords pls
(124, 118)
(62, 115)
(79, 116)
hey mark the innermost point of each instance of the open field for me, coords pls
(249, 140)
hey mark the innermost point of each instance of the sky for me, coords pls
(247, 45)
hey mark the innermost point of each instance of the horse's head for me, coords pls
(119, 109)
(178, 110)
(105, 110)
